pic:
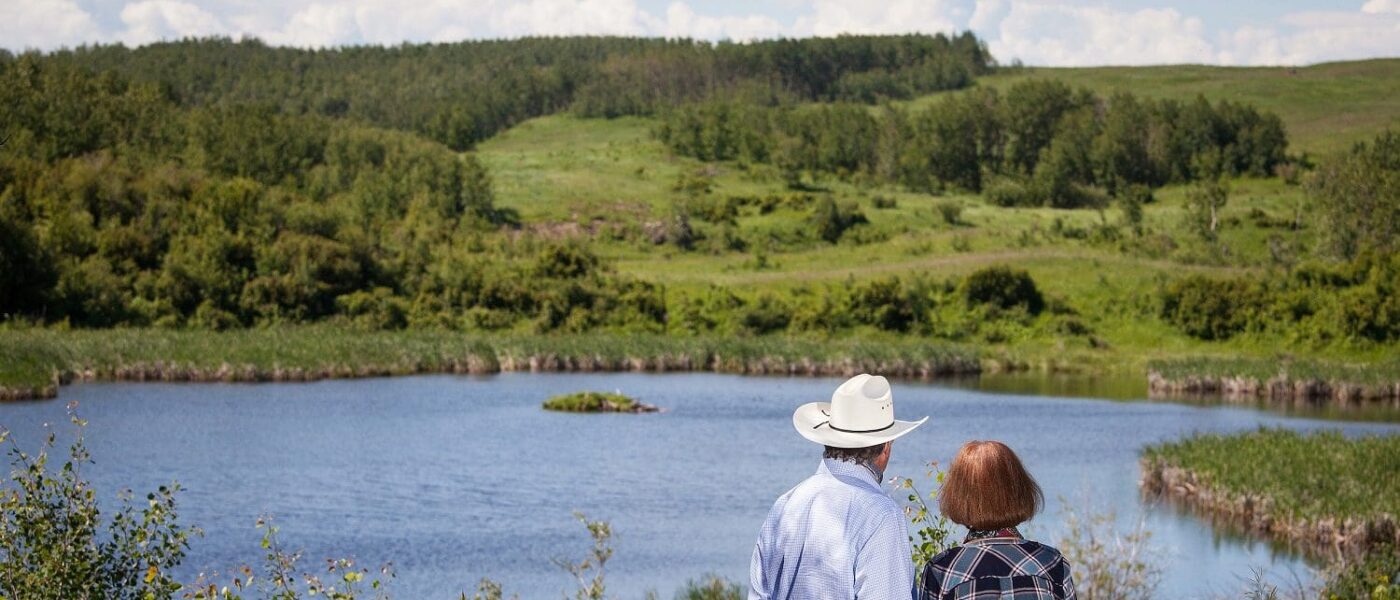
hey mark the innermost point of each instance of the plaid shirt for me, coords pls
(998, 568)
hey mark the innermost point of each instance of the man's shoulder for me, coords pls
(874, 502)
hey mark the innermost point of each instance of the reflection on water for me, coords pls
(454, 477)
(1108, 387)
(1134, 387)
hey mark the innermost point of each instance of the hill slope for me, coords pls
(1327, 107)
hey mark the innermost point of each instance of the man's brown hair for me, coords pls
(988, 488)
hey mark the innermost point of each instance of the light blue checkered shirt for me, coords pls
(835, 535)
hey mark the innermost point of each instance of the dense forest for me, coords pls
(229, 184)
(461, 93)
(216, 183)
(1042, 143)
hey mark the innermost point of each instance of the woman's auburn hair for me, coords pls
(987, 488)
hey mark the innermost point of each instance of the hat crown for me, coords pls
(863, 403)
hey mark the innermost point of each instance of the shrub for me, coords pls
(1109, 563)
(884, 202)
(831, 220)
(379, 309)
(711, 587)
(885, 303)
(51, 545)
(766, 315)
(1209, 309)
(1008, 192)
(1355, 198)
(593, 402)
(1375, 575)
(1003, 287)
(950, 210)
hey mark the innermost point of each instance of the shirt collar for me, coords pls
(1007, 535)
(849, 472)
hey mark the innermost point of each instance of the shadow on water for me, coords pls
(1133, 388)
(1232, 529)
(1107, 387)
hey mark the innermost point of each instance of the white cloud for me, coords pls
(834, 17)
(987, 14)
(1068, 35)
(1079, 35)
(1040, 32)
(682, 21)
(154, 20)
(1381, 7)
(45, 24)
(316, 26)
(1316, 36)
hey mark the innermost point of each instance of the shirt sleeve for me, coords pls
(1067, 581)
(928, 586)
(758, 584)
(884, 564)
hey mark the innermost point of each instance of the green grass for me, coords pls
(591, 402)
(1384, 371)
(1326, 108)
(1321, 475)
(34, 358)
(586, 178)
(606, 181)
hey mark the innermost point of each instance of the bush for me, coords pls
(1008, 192)
(50, 540)
(1376, 575)
(950, 210)
(711, 587)
(1003, 287)
(831, 220)
(592, 402)
(886, 304)
(1209, 309)
(767, 315)
(1356, 198)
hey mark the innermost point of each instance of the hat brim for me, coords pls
(812, 422)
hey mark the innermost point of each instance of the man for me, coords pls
(837, 534)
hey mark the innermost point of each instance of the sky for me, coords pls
(1037, 32)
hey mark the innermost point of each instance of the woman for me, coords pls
(989, 492)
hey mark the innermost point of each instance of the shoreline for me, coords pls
(36, 362)
(381, 354)
(1280, 389)
(1321, 537)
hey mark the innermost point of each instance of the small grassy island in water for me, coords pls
(595, 402)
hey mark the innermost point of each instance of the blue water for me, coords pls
(454, 478)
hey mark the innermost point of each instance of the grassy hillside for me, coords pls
(597, 179)
(1326, 107)
(246, 216)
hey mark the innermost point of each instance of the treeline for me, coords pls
(461, 93)
(118, 207)
(1039, 143)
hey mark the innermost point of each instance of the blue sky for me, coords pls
(1038, 32)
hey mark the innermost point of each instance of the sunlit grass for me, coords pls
(1307, 476)
(34, 358)
(1326, 108)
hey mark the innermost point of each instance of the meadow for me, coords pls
(1327, 107)
(1336, 495)
(598, 180)
(33, 362)
(193, 201)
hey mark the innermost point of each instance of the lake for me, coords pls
(454, 478)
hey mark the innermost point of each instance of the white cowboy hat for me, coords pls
(860, 414)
